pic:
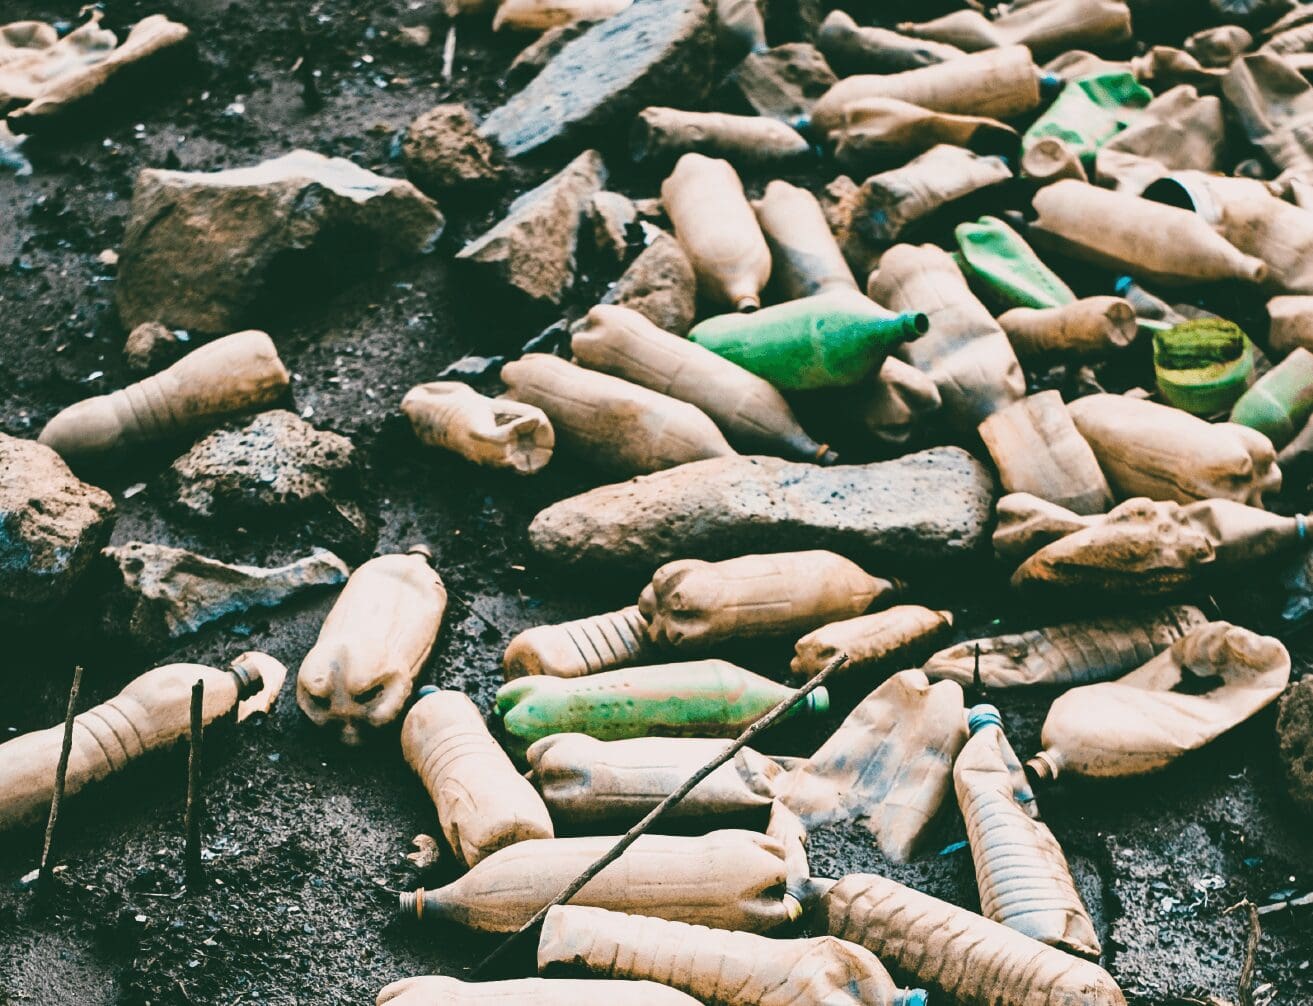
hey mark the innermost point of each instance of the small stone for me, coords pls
(51, 523)
(782, 83)
(416, 36)
(204, 250)
(150, 346)
(612, 215)
(532, 249)
(639, 57)
(275, 469)
(660, 285)
(444, 151)
(931, 506)
(163, 593)
(1295, 735)
(108, 258)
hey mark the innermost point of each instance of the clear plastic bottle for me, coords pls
(440, 990)
(583, 646)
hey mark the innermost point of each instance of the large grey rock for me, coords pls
(276, 469)
(782, 83)
(933, 505)
(660, 285)
(444, 151)
(163, 593)
(203, 248)
(51, 523)
(639, 57)
(532, 249)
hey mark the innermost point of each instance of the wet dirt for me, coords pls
(305, 839)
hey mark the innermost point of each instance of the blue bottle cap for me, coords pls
(1122, 285)
(912, 997)
(981, 716)
(427, 690)
(1050, 84)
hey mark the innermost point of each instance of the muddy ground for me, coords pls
(305, 839)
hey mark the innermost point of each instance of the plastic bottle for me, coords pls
(227, 376)
(1274, 104)
(150, 714)
(483, 803)
(1280, 403)
(707, 698)
(1037, 449)
(735, 879)
(1046, 27)
(664, 134)
(621, 342)
(540, 15)
(1145, 721)
(439, 990)
(1203, 366)
(1023, 876)
(1148, 307)
(1088, 113)
(851, 48)
(621, 426)
(999, 259)
(806, 258)
(717, 967)
(972, 960)
(878, 131)
(1291, 323)
(832, 339)
(695, 604)
(999, 84)
(584, 646)
(495, 432)
(704, 199)
(1120, 231)
(1088, 329)
(1177, 130)
(868, 640)
(889, 765)
(1070, 653)
(901, 401)
(585, 781)
(373, 644)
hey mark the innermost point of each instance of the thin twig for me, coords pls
(1245, 984)
(632, 835)
(195, 800)
(61, 777)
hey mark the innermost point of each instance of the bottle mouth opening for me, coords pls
(419, 548)
(747, 305)
(249, 679)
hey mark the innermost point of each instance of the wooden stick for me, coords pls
(195, 801)
(61, 776)
(449, 52)
(631, 836)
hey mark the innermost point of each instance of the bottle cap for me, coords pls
(983, 715)
(249, 680)
(818, 701)
(1042, 768)
(1050, 84)
(912, 997)
(1122, 284)
(411, 903)
(419, 548)
(427, 690)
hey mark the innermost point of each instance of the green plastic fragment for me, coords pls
(1280, 403)
(998, 259)
(1089, 112)
(1203, 366)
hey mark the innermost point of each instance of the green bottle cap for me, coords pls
(818, 701)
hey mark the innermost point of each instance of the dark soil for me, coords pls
(305, 839)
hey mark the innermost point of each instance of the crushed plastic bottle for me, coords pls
(999, 259)
(1045, 27)
(584, 646)
(429, 990)
(662, 135)
(1088, 113)
(495, 432)
(1280, 403)
(1203, 366)
(878, 132)
(1088, 329)
(868, 640)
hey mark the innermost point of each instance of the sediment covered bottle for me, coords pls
(832, 339)
(230, 375)
(1001, 262)
(1087, 329)
(1046, 27)
(1179, 129)
(586, 781)
(483, 803)
(900, 403)
(440, 990)
(664, 134)
(877, 131)
(495, 432)
(1144, 721)
(718, 230)
(852, 48)
(1089, 112)
(697, 698)
(695, 604)
(584, 646)
(733, 879)
(805, 257)
(748, 408)
(1023, 876)
(1291, 323)
(1070, 653)
(1120, 231)
(715, 966)
(150, 714)
(868, 640)
(972, 960)
(373, 644)
(1281, 401)
(612, 422)
(540, 15)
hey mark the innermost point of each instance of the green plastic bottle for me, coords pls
(998, 259)
(1089, 112)
(698, 698)
(830, 340)
(1280, 403)
(1203, 366)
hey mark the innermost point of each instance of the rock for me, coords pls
(204, 250)
(149, 347)
(660, 285)
(51, 523)
(443, 151)
(274, 469)
(164, 593)
(933, 505)
(639, 57)
(538, 53)
(532, 248)
(1295, 734)
(783, 82)
(612, 215)
(415, 36)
